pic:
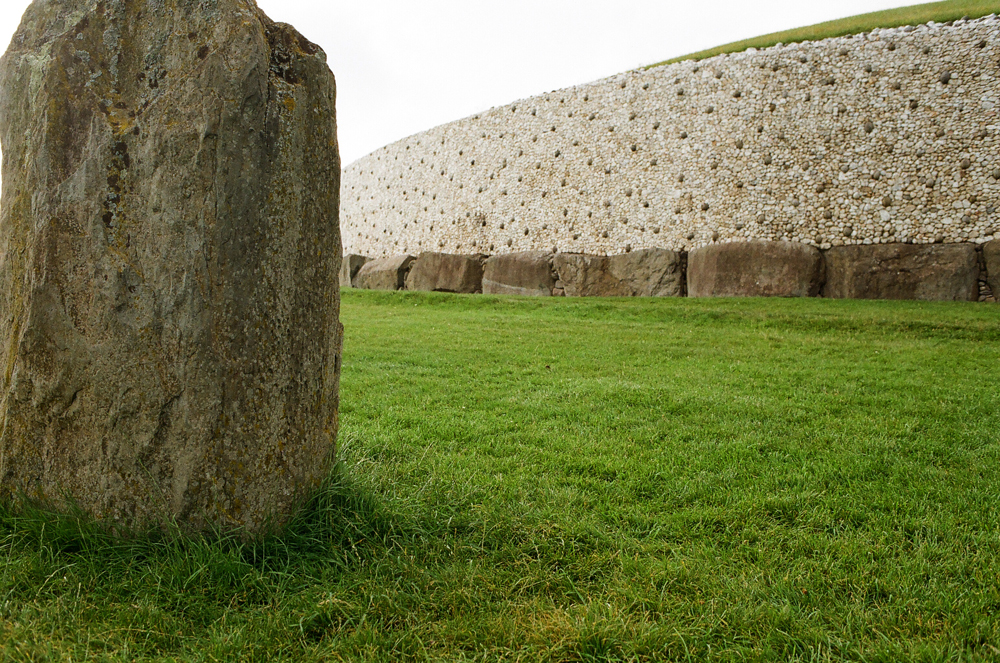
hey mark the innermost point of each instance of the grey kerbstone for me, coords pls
(384, 273)
(444, 272)
(991, 255)
(349, 269)
(171, 249)
(903, 271)
(527, 273)
(642, 273)
(755, 269)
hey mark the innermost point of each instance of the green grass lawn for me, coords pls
(588, 480)
(941, 12)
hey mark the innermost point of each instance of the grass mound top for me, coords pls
(940, 12)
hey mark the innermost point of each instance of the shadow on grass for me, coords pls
(341, 525)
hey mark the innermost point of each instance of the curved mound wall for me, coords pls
(885, 137)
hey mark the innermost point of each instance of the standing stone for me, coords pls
(528, 273)
(169, 257)
(384, 273)
(991, 256)
(349, 269)
(755, 269)
(444, 272)
(945, 272)
(643, 273)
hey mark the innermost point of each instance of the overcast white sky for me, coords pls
(403, 66)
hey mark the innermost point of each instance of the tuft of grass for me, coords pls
(941, 12)
(586, 480)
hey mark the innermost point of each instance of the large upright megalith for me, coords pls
(169, 257)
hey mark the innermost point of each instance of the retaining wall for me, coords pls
(885, 137)
(942, 272)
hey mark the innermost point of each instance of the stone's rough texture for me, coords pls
(991, 255)
(349, 269)
(785, 155)
(946, 272)
(645, 273)
(384, 274)
(444, 272)
(526, 273)
(169, 254)
(755, 269)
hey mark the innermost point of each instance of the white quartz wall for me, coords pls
(883, 137)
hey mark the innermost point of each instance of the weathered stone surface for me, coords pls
(644, 273)
(384, 273)
(991, 254)
(169, 258)
(755, 269)
(903, 271)
(526, 273)
(349, 269)
(445, 272)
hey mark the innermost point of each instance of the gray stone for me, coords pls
(384, 273)
(444, 272)
(527, 273)
(755, 269)
(991, 255)
(946, 272)
(642, 273)
(349, 269)
(170, 254)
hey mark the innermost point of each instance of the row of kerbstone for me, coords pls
(645, 273)
(946, 272)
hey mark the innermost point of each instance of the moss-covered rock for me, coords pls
(169, 257)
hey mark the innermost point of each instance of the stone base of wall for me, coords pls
(384, 274)
(645, 273)
(940, 272)
(937, 272)
(444, 272)
(755, 269)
